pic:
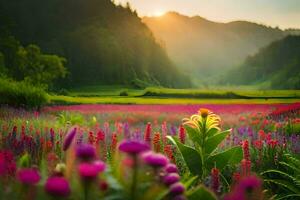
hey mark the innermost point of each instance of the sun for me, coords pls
(158, 13)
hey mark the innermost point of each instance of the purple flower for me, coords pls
(100, 165)
(28, 176)
(171, 178)
(69, 139)
(155, 159)
(85, 152)
(88, 171)
(176, 189)
(133, 146)
(57, 186)
(171, 168)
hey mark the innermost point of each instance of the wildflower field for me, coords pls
(141, 152)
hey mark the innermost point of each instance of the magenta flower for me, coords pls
(247, 187)
(57, 186)
(177, 189)
(171, 168)
(69, 139)
(171, 178)
(155, 159)
(249, 183)
(133, 147)
(28, 176)
(100, 165)
(88, 171)
(85, 152)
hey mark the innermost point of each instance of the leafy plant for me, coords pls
(202, 153)
(286, 179)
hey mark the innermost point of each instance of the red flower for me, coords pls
(114, 141)
(100, 136)
(273, 143)
(236, 177)
(91, 137)
(182, 134)
(258, 144)
(147, 136)
(215, 182)
(246, 152)
(261, 134)
(156, 142)
(169, 152)
(245, 167)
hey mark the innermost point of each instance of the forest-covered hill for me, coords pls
(276, 66)
(205, 48)
(103, 43)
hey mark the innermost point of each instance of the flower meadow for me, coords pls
(231, 152)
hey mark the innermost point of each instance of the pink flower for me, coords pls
(88, 171)
(28, 176)
(171, 178)
(171, 168)
(57, 186)
(133, 146)
(155, 159)
(177, 189)
(100, 165)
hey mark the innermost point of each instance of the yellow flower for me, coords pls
(204, 112)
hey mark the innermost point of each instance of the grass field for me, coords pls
(111, 95)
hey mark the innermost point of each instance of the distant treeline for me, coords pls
(97, 41)
(277, 66)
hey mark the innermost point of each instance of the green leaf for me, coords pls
(212, 131)
(286, 184)
(189, 182)
(191, 156)
(201, 193)
(213, 142)
(232, 156)
(193, 134)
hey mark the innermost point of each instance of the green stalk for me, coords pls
(134, 177)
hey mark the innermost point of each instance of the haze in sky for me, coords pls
(281, 13)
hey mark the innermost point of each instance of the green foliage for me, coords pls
(201, 193)
(205, 136)
(286, 179)
(42, 69)
(278, 63)
(21, 94)
(103, 43)
(28, 63)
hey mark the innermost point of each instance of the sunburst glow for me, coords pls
(158, 13)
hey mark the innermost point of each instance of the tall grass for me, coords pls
(21, 94)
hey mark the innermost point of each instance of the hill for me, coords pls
(274, 66)
(103, 43)
(205, 48)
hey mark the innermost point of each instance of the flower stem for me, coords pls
(134, 177)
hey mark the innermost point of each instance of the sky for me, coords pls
(281, 13)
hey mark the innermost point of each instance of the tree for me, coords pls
(41, 68)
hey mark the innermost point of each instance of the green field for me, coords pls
(123, 95)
